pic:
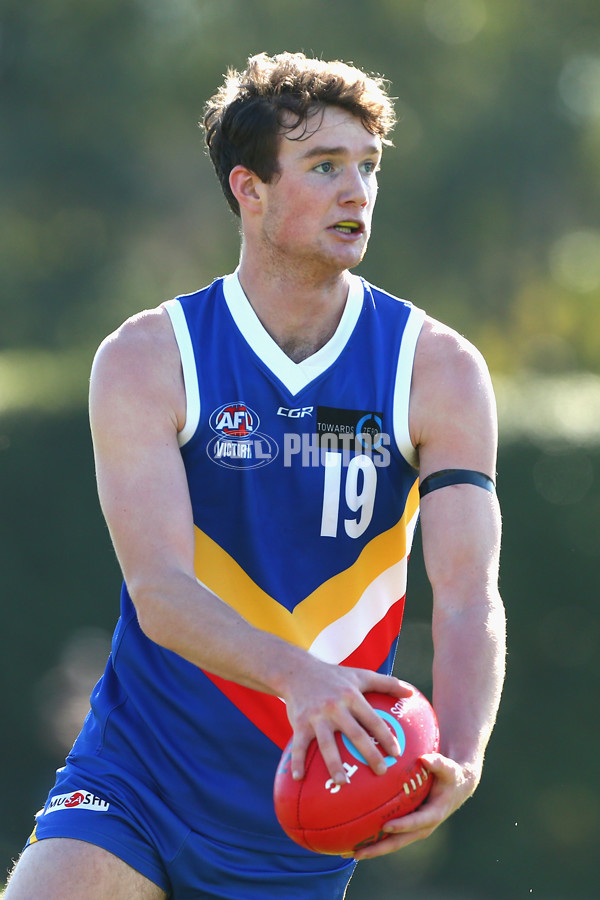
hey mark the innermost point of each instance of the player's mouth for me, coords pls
(349, 227)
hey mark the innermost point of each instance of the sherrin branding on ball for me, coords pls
(330, 818)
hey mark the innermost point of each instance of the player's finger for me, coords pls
(300, 744)
(390, 844)
(385, 684)
(381, 735)
(371, 738)
(440, 765)
(436, 807)
(330, 753)
(427, 816)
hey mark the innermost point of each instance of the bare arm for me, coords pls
(137, 407)
(453, 422)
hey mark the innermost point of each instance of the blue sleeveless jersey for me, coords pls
(305, 498)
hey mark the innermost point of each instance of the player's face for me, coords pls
(318, 209)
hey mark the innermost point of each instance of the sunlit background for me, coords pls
(488, 216)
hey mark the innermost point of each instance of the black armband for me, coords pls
(455, 476)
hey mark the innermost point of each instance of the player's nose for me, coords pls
(354, 189)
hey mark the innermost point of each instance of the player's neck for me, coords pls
(300, 311)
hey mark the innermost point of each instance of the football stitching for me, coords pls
(315, 829)
(412, 782)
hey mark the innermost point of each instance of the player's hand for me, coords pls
(330, 698)
(452, 786)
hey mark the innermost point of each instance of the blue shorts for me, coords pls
(126, 818)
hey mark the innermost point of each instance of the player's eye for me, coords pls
(325, 168)
(370, 167)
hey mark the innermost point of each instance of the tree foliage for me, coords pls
(488, 216)
(488, 213)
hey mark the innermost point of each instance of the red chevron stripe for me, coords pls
(265, 711)
(268, 712)
(375, 647)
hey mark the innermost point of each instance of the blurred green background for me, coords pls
(488, 216)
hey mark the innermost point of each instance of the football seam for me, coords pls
(307, 763)
(313, 829)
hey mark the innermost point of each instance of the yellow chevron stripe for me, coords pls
(216, 569)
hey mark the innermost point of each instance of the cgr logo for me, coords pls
(297, 413)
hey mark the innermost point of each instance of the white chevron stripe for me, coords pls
(339, 639)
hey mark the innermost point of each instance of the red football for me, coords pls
(330, 818)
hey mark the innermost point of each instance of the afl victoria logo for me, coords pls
(234, 420)
(238, 443)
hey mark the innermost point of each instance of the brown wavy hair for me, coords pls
(275, 95)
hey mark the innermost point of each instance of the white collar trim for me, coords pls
(295, 376)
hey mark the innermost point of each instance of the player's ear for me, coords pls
(244, 184)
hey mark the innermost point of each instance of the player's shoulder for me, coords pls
(141, 333)
(138, 365)
(144, 339)
(451, 388)
(444, 353)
